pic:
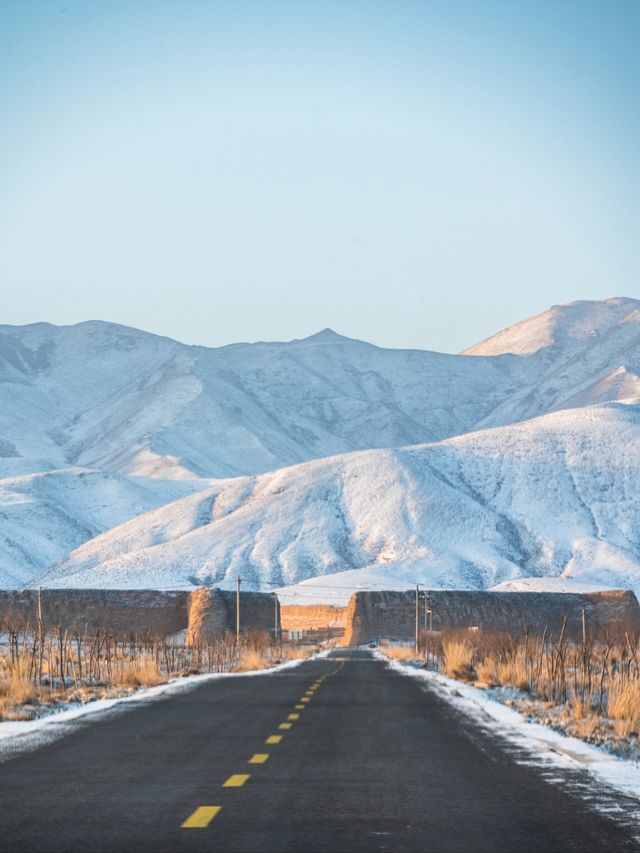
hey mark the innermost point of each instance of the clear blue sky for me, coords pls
(411, 173)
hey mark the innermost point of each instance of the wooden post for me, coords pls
(238, 609)
(417, 616)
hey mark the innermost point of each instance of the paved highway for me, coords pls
(338, 754)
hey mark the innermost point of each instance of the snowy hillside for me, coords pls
(557, 496)
(45, 515)
(105, 396)
(100, 423)
(108, 397)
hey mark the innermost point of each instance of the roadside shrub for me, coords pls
(457, 659)
(623, 707)
(142, 671)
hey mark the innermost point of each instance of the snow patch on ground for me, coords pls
(545, 745)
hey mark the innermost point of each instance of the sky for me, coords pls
(415, 174)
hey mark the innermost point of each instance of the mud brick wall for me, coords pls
(140, 611)
(310, 617)
(375, 615)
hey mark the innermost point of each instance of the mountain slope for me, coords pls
(44, 515)
(126, 404)
(104, 396)
(559, 495)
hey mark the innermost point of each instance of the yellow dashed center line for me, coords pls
(201, 818)
(236, 781)
(203, 815)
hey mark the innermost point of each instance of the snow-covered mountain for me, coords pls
(105, 396)
(556, 496)
(137, 420)
(46, 514)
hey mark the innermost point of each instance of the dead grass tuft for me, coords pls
(15, 687)
(457, 659)
(251, 659)
(623, 707)
(399, 652)
(142, 671)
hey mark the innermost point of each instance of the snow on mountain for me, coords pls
(563, 327)
(109, 397)
(558, 496)
(573, 355)
(104, 396)
(127, 404)
(44, 515)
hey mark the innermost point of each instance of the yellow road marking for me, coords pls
(293, 717)
(259, 758)
(305, 699)
(201, 817)
(285, 725)
(273, 739)
(299, 707)
(309, 692)
(237, 780)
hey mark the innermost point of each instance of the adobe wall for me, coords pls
(142, 611)
(375, 615)
(311, 617)
(213, 612)
(123, 611)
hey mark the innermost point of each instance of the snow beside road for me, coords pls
(545, 745)
(26, 735)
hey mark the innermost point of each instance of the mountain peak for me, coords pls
(560, 325)
(326, 336)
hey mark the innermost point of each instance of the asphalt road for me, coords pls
(369, 761)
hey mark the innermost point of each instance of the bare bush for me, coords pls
(62, 662)
(457, 658)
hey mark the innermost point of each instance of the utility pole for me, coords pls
(275, 628)
(584, 628)
(40, 634)
(417, 615)
(238, 609)
(428, 610)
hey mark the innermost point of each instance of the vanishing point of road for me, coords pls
(337, 754)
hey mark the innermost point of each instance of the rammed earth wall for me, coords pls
(378, 615)
(202, 612)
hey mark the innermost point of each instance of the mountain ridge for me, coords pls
(124, 403)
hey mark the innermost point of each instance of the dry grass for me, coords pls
(142, 671)
(623, 707)
(15, 688)
(251, 659)
(296, 652)
(488, 671)
(399, 652)
(457, 659)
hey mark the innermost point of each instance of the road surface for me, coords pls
(337, 754)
